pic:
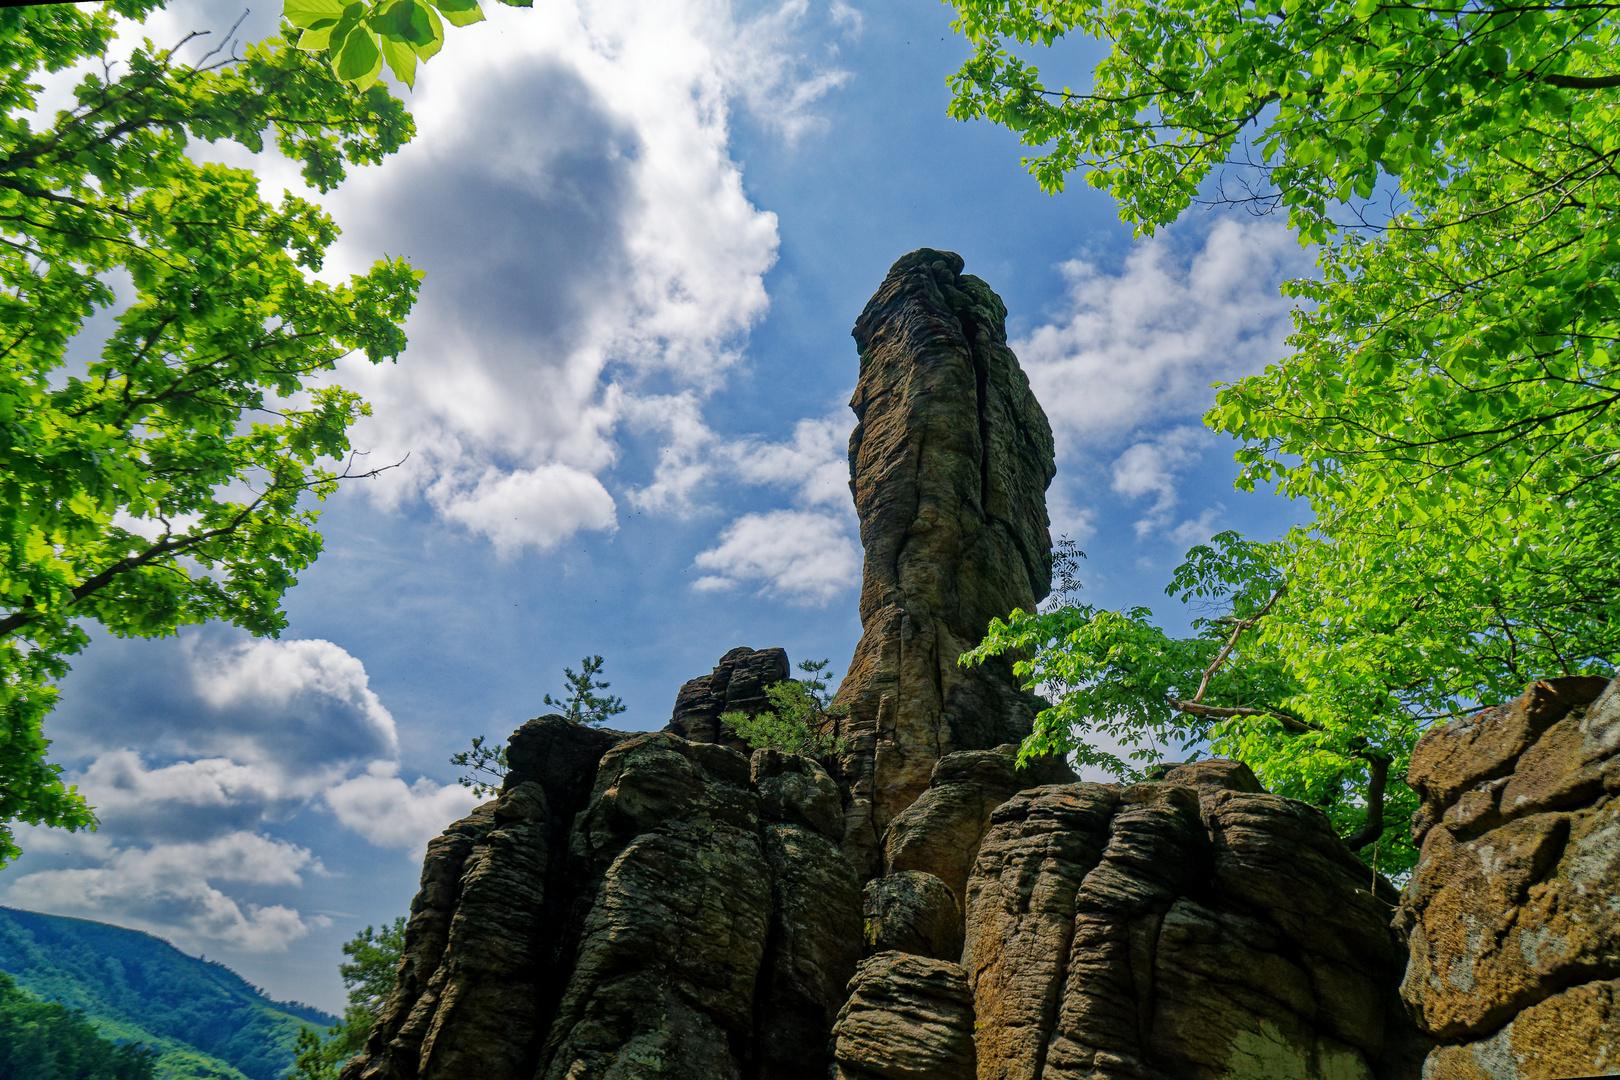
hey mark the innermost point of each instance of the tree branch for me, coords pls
(1378, 764)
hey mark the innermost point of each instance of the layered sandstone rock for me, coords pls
(939, 834)
(737, 684)
(1180, 930)
(693, 919)
(949, 464)
(1513, 927)
(907, 1018)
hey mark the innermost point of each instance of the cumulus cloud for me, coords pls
(169, 889)
(389, 813)
(541, 506)
(1141, 347)
(593, 262)
(802, 556)
(216, 741)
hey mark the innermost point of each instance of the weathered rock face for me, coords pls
(1513, 926)
(737, 684)
(907, 1018)
(693, 918)
(1180, 930)
(939, 834)
(480, 946)
(949, 464)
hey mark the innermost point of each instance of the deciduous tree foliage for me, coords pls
(163, 482)
(359, 37)
(1448, 405)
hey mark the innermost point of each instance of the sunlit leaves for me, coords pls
(359, 37)
(166, 482)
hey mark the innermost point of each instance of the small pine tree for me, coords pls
(582, 706)
(800, 718)
(486, 765)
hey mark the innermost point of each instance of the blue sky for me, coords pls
(647, 230)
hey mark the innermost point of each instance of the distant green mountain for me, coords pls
(204, 1019)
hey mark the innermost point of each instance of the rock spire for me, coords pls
(949, 464)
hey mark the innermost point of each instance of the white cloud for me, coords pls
(388, 813)
(266, 671)
(805, 557)
(852, 20)
(541, 507)
(1142, 347)
(1150, 467)
(168, 889)
(217, 740)
(599, 244)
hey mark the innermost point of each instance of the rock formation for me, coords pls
(907, 1018)
(1186, 929)
(941, 831)
(639, 906)
(1513, 925)
(737, 684)
(949, 464)
(691, 917)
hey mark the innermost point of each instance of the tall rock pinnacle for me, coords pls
(949, 465)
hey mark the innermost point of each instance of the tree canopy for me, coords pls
(164, 481)
(358, 38)
(1448, 402)
(42, 1040)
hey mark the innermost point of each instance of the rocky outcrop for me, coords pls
(480, 948)
(693, 918)
(907, 1018)
(1513, 928)
(912, 912)
(1180, 930)
(737, 684)
(949, 464)
(939, 834)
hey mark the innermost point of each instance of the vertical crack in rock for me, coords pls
(1193, 928)
(949, 464)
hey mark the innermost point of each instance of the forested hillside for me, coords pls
(203, 1019)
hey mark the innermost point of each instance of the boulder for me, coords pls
(912, 912)
(949, 464)
(1513, 932)
(907, 1018)
(1179, 932)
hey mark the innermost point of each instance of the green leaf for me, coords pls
(401, 58)
(356, 57)
(460, 12)
(307, 13)
(317, 38)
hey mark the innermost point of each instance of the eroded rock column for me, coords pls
(949, 464)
